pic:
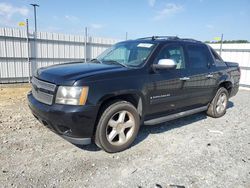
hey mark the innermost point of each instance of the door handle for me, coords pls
(184, 78)
(209, 76)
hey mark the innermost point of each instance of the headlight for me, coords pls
(72, 95)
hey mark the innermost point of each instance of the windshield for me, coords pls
(128, 54)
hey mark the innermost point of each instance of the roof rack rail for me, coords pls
(160, 37)
(192, 40)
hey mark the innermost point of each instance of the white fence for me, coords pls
(239, 53)
(17, 55)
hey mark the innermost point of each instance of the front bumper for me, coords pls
(73, 123)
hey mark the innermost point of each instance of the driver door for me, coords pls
(166, 94)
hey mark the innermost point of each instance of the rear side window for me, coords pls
(198, 56)
(215, 55)
(218, 60)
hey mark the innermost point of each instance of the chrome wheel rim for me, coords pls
(120, 128)
(221, 103)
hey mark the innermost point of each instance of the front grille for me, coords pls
(43, 91)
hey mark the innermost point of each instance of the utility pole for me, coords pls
(34, 6)
(34, 63)
(126, 36)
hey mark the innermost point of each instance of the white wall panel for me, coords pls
(54, 48)
(239, 53)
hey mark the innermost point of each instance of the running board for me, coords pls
(175, 116)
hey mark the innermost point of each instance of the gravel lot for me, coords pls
(196, 151)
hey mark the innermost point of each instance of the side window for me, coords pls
(218, 60)
(216, 56)
(197, 56)
(175, 53)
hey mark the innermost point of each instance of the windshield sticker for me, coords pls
(145, 45)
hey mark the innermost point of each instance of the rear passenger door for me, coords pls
(201, 81)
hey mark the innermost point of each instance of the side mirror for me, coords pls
(165, 64)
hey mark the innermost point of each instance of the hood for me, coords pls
(67, 74)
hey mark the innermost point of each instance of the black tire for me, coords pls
(114, 119)
(213, 106)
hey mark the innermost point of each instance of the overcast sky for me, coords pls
(199, 19)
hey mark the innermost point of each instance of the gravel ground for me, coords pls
(196, 151)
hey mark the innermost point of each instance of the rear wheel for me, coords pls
(218, 106)
(117, 127)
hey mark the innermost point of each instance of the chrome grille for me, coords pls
(43, 91)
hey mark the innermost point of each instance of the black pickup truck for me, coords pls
(144, 81)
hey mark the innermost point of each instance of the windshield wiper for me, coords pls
(97, 60)
(116, 62)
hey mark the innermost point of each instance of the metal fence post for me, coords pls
(85, 43)
(221, 43)
(34, 59)
(28, 47)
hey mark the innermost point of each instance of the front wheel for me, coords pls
(117, 127)
(218, 106)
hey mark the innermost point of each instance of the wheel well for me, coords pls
(228, 85)
(134, 99)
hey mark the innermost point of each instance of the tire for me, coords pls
(217, 108)
(117, 127)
